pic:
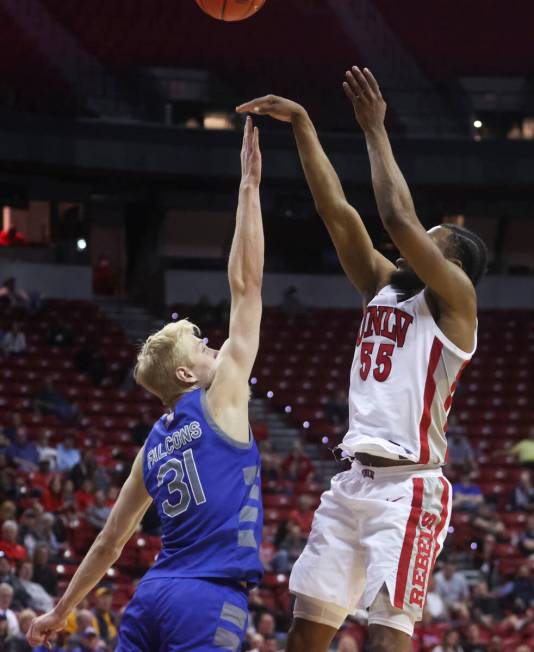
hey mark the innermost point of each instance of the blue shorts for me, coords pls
(182, 614)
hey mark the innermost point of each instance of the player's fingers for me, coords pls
(362, 81)
(256, 138)
(349, 93)
(354, 86)
(254, 106)
(372, 81)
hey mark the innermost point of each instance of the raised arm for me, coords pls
(365, 267)
(441, 275)
(131, 505)
(228, 395)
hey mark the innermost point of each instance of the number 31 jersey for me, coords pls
(403, 379)
(206, 487)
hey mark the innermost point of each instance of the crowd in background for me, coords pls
(48, 487)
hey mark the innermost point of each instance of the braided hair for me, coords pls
(470, 249)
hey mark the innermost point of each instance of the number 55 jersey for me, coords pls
(206, 488)
(403, 378)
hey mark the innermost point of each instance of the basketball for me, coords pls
(230, 10)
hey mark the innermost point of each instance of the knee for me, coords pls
(387, 639)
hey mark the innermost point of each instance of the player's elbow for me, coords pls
(246, 286)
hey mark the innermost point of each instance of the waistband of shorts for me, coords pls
(405, 471)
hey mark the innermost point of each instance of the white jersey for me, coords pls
(403, 379)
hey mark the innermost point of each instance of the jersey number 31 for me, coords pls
(177, 483)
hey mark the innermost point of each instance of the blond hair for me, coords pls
(160, 356)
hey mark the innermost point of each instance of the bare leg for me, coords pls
(387, 639)
(307, 636)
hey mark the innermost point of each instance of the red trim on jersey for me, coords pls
(448, 400)
(430, 391)
(407, 546)
(443, 520)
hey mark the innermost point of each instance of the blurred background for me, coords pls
(119, 169)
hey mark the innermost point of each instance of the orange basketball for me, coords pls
(230, 10)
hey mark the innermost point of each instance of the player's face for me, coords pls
(203, 361)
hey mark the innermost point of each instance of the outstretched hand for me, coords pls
(278, 108)
(43, 627)
(363, 91)
(251, 154)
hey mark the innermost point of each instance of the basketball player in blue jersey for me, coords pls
(199, 465)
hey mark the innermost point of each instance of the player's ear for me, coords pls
(457, 261)
(186, 376)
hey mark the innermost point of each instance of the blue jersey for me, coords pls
(206, 487)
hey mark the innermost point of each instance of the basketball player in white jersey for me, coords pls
(380, 527)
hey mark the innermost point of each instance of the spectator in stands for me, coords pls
(49, 400)
(47, 533)
(8, 542)
(98, 513)
(519, 591)
(105, 618)
(3, 629)
(88, 468)
(12, 237)
(46, 452)
(473, 640)
(43, 573)
(435, 605)
(89, 641)
(51, 499)
(53, 645)
(28, 530)
(14, 341)
(303, 514)
(18, 643)
(526, 538)
(89, 361)
(466, 495)
(484, 606)
(84, 496)
(461, 454)
(450, 642)
(265, 624)
(40, 600)
(524, 450)
(140, 430)
(291, 303)
(271, 462)
(77, 622)
(495, 644)
(337, 407)
(6, 598)
(290, 549)
(23, 453)
(67, 455)
(486, 560)
(105, 279)
(297, 466)
(12, 297)
(267, 550)
(8, 511)
(452, 587)
(487, 521)
(522, 497)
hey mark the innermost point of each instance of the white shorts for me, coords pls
(375, 528)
